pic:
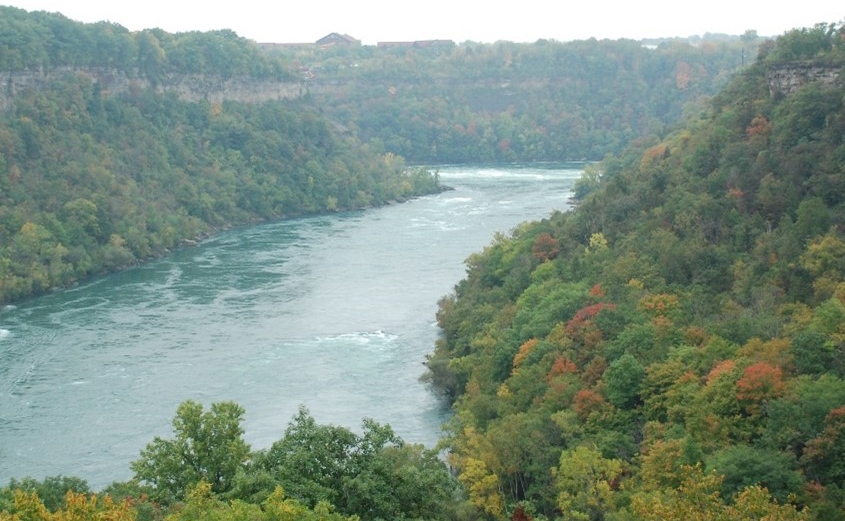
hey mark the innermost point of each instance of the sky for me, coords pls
(373, 21)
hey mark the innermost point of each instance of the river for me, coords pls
(335, 313)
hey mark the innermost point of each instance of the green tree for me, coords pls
(825, 454)
(623, 378)
(798, 417)
(375, 475)
(743, 466)
(311, 460)
(401, 482)
(207, 446)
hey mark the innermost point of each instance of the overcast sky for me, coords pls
(372, 21)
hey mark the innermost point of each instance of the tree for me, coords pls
(743, 466)
(202, 505)
(825, 454)
(474, 457)
(545, 247)
(310, 461)
(400, 482)
(798, 417)
(208, 446)
(662, 460)
(698, 499)
(77, 507)
(760, 383)
(375, 475)
(52, 491)
(824, 258)
(586, 482)
(623, 378)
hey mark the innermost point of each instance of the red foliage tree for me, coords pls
(562, 366)
(583, 315)
(545, 247)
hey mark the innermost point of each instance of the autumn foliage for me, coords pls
(691, 323)
(545, 247)
(760, 383)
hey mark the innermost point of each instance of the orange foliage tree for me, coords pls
(759, 383)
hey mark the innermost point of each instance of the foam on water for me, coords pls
(376, 338)
(457, 200)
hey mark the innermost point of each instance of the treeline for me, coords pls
(206, 471)
(672, 348)
(503, 102)
(92, 182)
(34, 40)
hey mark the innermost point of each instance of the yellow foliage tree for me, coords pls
(483, 487)
(586, 482)
(79, 507)
(698, 499)
(473, 460)
(202, 505)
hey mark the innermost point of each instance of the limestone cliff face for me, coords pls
(187, 87)
(782, 80)
(786, 79)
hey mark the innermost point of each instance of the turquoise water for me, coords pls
(335, 313)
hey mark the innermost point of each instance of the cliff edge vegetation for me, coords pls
(672, 348)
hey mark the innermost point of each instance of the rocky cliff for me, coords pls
(187, 87)
(786, 79)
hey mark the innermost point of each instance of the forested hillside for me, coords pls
(673, 348)
(92, 181)
(545, 101)
(104, 161)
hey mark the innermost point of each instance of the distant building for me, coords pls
(337, 39)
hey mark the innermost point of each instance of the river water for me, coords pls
(335, 313)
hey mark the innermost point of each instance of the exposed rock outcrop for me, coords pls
(189, 87)
(786, 79)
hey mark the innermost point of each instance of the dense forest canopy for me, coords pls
(547, 101)
(95, 179)
(92, 182)
(671, 348)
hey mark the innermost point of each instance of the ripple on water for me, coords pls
(377, 339)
